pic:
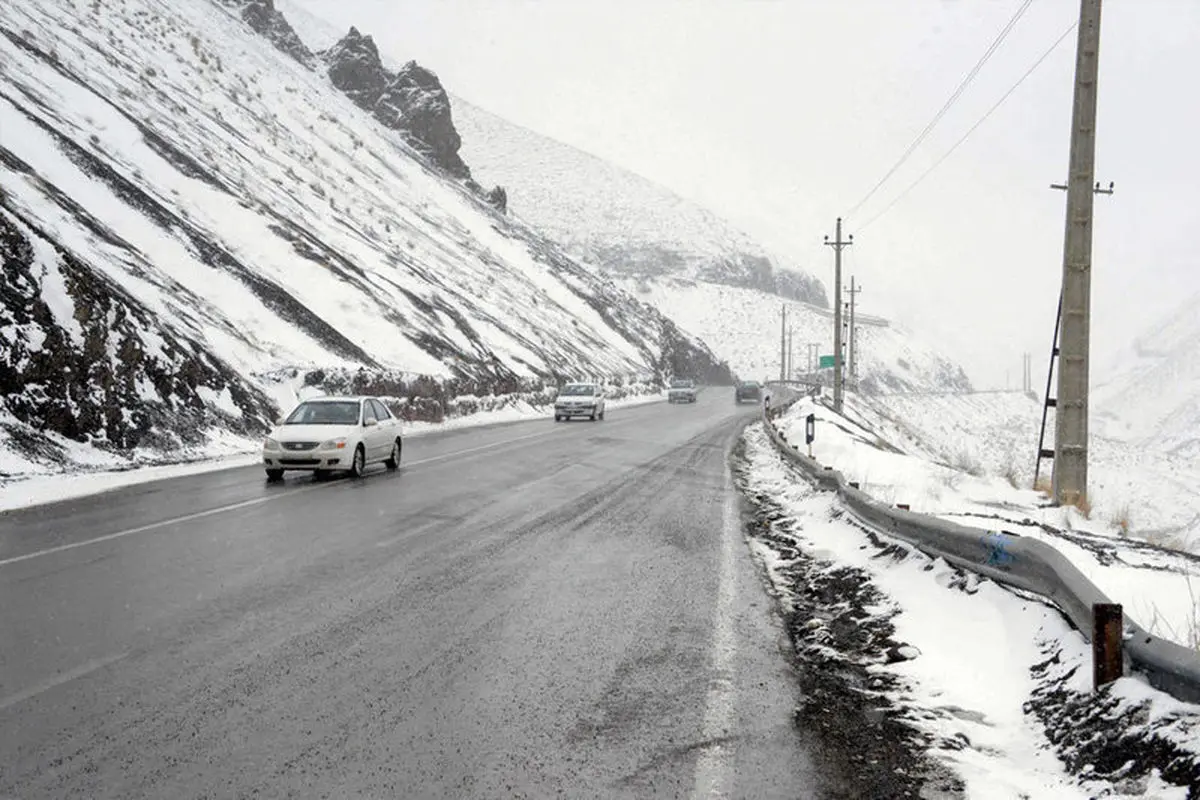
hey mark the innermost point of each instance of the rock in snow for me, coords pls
(410, 100)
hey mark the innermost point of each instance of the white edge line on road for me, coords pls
(62, 548)
(59, 680)
(713, 767)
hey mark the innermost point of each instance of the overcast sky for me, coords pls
(781, 115)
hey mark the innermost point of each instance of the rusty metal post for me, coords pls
(1108, 660)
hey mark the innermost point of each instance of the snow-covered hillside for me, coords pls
(712, 280)
(1153, 395)
(1135, 492)
(188, 206)
(609, 216)
(743, 327)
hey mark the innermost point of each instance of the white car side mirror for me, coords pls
(369, 423)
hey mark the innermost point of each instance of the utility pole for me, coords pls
(783, 343)
(790, 370)
(853, 334)
(1070, 474)
(838, 246)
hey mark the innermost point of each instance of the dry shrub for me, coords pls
(1084, 506)
(1122, 520)
(965, 461)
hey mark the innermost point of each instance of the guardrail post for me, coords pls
(1108, 662)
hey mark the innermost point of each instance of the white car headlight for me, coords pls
(334, 444)
(270, 444)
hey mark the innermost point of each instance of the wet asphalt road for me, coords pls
(526, 610)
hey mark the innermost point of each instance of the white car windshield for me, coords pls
(577, 389)
(681, 384)
(326, 413)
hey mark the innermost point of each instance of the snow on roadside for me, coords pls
(1136, 490)
(1159, 588)
(959, 661)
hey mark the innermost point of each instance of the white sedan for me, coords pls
(333, 434)
(580, 400)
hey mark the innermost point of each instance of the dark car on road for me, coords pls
(748, 391)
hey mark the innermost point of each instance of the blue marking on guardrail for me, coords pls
(996, 547)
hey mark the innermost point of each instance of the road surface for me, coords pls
(525, 610)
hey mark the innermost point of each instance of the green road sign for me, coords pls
(826, 361)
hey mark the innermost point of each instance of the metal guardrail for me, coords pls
(1007, 558)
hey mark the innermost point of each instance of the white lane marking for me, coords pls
(243, 504)
(481, 447)
(59, 680)
(154, 525)
(715, 765)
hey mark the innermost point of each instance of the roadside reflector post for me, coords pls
(810, 431)
(1108, 660)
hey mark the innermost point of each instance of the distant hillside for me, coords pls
(609, 216)
(1153, 396)
(742, 326)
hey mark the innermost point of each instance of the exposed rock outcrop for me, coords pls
(85, 360)
(265, 19)
(498, 197)
(411, 100)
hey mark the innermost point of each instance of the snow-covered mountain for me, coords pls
(191, 202)
(743, 327)
(612, 217)
(714, 281)
(1153, 395)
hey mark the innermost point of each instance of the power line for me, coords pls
(992, 48)
(973, 128)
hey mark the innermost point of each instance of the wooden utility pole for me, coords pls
(838, 246)
(1070, 474)
(853, 334)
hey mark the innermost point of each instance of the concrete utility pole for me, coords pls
(838, 246)
(853, 334)
(1071, 419)
(790, 369)
(783, 343)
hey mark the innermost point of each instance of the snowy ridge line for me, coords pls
(1008, 559)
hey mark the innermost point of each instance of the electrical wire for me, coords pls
(992, 48)
(973, 128)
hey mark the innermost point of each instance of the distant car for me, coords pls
(333, 434)
(579, 400)
(681, 390)
(751, 391)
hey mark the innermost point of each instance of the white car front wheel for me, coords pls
(359, 464)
